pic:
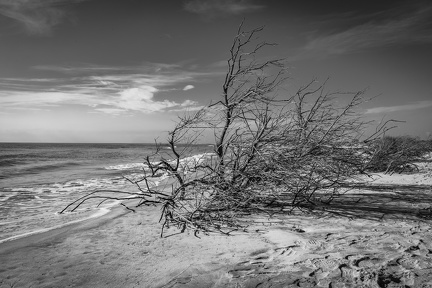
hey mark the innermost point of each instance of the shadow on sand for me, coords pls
(376, 202)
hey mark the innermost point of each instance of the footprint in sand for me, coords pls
(408, 278)
(423, 248)
(287, 251)
(348, 272)
(326, 264)
(257, 252)
(392, 247)
(242, 270)
(354, 257)
(272, 254)
(367, 262)
(396, 279)
(316, 244)
(261, 261)
(305, 282)
(414, 249)
(408, 263)
(259, 258)
(237, 270)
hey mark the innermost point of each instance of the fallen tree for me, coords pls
(270, 149)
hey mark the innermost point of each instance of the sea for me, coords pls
(38, 180)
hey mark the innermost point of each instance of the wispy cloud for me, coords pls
(36, 16)
(113, 111)
(412, 106)
(91, 69)
(214, 8)
(412, 26)
(112, 93)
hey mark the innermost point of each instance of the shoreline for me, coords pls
(33, 208)
(38, 236)
(97, 213)
(124, 249)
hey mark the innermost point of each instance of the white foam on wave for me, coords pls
(79, 185)
(185, 163)
(127, 166)
(68, 187)
(9, 195)
(57, 195)
(190, 162)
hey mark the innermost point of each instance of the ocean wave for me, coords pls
(130, 172)
(37, 180)
(11, 162)
(59, 190)
(39, 168)
(186, 163)
(4, 196)
(127, 166)
(75, 186)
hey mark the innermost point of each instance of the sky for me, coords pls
(122, 71)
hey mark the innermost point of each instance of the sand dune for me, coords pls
(370, 238)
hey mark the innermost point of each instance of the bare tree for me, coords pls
(271, 149)
(395, 154)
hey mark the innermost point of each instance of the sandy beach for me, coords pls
(369, 238)
(295, 137)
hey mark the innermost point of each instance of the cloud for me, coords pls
(30, 99)
(413, 106)
(110, 93)
(188, 87)
(188, 103)
(36, 16)
(90, 69)
(113, 111)
(406, 28)
(141, 99)
(214, 8)
(137, 99)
